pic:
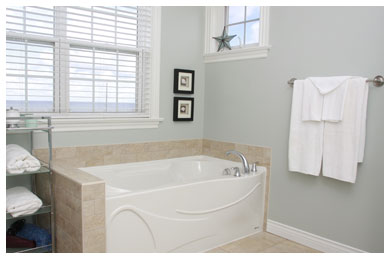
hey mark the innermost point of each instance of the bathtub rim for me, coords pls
(260, 171)
(159, 161)
(258, 174)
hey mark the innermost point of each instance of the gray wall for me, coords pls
(249, 102)
(182, 30)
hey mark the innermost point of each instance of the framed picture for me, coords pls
(183, 109)
(183, 81)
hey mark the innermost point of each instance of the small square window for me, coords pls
(250, 24)
(243, 21)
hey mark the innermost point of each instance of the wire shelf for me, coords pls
(42, 170)
(42, 210)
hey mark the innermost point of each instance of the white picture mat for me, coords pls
(189, 83)
(189, 111)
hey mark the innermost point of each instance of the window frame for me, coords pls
(215, 20)
(67, 121)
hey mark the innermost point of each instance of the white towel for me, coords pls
(306, 137)
(323, 98)
(344, 141)
(21, 201)
(362, 142)
(20, 160)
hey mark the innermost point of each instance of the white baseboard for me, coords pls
(308, 239)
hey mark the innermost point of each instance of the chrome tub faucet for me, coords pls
(243, 159)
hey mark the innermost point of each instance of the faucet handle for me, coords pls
(236, 172)
(254, 167)
(226, 171)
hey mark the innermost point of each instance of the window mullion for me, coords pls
(25, 76)
(57, 73)
(140, 80)
(116, 83)
(93, 79)
(25, 65)
(245, 23)
(117, 63)
(61, 70)
(93, 60)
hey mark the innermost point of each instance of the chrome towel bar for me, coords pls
(377, 81)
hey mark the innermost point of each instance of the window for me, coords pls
(243, 21)
(249, 23)
(83, 61)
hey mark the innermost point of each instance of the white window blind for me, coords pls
(79, 59)
(30, 76)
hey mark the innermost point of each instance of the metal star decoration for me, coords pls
(224, 40)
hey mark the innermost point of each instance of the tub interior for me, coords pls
(140, 176)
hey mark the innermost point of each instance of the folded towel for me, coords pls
(323, 98)
(344, 141)
(21, 201)
(19, 242)
(20, 160)
(326, 85)
(33, 232)
(16, 227)
(306, 137)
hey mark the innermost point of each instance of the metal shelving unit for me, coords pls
(43, 124)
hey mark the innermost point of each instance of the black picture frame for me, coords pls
(183, 81)
(186, 106)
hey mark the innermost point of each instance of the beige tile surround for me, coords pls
(80, 203)
(79, 210)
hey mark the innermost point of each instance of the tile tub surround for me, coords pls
(68, 216)
(80, 203)
(79, 209)
(123, 153)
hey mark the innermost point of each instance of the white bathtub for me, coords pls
(179, 205)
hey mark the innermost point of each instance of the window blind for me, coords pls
(30, 75)
(86, 59)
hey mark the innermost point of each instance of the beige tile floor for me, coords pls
(263, 242)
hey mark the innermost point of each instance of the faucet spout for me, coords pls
(242, 157)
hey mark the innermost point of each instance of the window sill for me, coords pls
(237, 54)
(62, 124)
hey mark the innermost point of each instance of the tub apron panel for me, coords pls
(186, 218)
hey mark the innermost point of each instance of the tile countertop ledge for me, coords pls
(74, 174)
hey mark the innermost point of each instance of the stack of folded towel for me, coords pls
(21, 201)
(24, 235)
(328, 123)
(20, 160)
